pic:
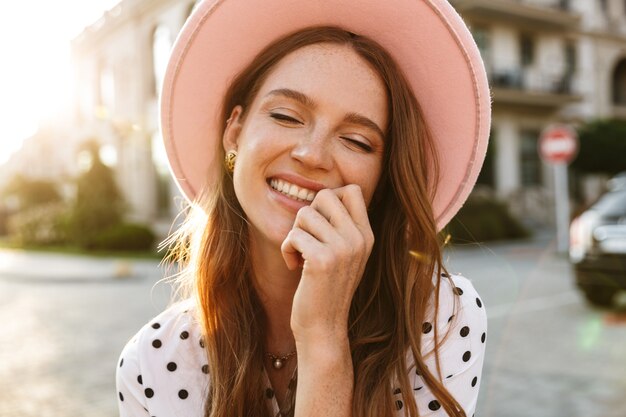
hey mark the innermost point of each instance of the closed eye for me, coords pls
(284, 118)
(362, 145)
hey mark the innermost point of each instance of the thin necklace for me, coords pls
(279, 361)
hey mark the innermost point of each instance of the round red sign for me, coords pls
(558, 144)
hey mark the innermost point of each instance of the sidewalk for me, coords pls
(55, 267)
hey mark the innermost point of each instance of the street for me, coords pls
(548, 353)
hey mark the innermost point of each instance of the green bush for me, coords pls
(602, 147)
(31, 192)
(124, 237)
(45, 224)
(483, 219)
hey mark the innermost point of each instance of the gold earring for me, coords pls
(229, 160)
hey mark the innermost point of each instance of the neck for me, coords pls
(276, 286)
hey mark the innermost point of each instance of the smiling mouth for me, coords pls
(292, 191)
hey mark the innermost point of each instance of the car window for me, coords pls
(612, 204)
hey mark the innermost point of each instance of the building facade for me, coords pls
(547, 61)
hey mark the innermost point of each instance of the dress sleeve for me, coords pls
(130, 394)
(462, 352)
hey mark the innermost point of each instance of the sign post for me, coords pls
(558, 146)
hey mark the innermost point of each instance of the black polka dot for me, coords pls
(478, 302)
(418, 388)
(482, 338)
(149, 393)
(443, 274)
(449, 376)
(269, 393)
(450, 318)
(464, 331)
(140, 379)
(397, 391)
(417, 372)
(121, 396)
(183, 394)
(201, 342)
(156, 325)
(156, 343)
(458, 291)
(121, 362)
(399, 405)
(474, 381)
(426, 327)
(434, 405)
(171, 366)
(184, 335)
(205, 369)
(466, 356)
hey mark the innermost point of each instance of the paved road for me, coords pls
(64, 324)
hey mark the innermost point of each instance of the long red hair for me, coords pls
(389, 306)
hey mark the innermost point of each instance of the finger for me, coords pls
(314, 223)
(297, 243)
(352, 199)
(328, 204)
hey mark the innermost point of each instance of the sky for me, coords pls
(35, 71)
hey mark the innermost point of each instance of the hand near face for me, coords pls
(331, 240)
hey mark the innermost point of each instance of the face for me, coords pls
(317, 122)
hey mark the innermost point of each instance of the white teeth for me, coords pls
(292, 190)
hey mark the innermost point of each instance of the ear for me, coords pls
(233, 128)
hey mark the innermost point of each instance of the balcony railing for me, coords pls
(532, 81)
(532, 88)
(556, 14)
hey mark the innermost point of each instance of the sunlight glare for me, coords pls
(36, 80)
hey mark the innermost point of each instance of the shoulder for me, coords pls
(461, 332)
(164, 365)
(455, 301)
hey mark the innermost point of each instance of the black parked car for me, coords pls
(598, 247)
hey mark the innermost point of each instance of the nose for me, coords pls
(314, 150)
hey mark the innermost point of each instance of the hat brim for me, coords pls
(427, 38)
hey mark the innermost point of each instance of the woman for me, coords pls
(311, 256)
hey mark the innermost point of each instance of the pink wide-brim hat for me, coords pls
(427, 38)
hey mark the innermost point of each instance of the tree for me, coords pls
(602, 147)
(98, 205)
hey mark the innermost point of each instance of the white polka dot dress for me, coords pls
(163, 369)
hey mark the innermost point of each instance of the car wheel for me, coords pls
(599, 295)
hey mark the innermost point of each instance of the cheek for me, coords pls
(366, 175)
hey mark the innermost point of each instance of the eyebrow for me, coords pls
(353, 118)
(294, 95)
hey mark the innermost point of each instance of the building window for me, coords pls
(570, 58)
(527, 50)
(161, 45)
(107, 90)
(619, 84)
(482, 39)
(530, 162)
(603, 6)
(564, 85)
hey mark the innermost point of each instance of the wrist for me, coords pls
(324, 350)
